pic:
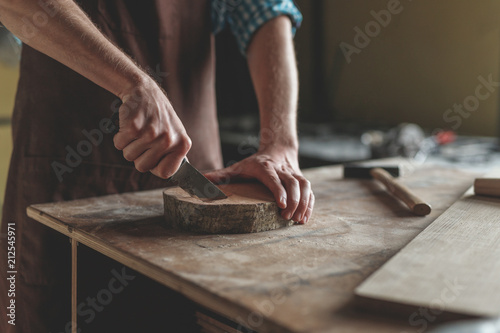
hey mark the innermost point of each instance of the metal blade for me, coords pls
(193, 182)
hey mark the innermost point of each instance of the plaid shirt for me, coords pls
(246, 16)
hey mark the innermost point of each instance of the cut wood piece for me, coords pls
(487, 186)
(248, 208)
(452, 266)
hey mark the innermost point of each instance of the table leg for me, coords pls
(74, 245)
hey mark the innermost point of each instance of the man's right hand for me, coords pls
(151, 135)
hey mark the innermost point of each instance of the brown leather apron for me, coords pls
(56, 112)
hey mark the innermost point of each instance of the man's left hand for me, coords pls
(277, 169)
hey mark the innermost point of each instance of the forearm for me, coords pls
(272, 64)
(151, 134)
(72, 39)
(271, 59)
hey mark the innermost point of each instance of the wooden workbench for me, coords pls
(297, 279)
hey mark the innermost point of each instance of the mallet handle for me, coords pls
(400, 191)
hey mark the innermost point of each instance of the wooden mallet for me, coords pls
(385, 175)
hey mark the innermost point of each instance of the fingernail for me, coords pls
(288, 216)
(283, 202)
(306, 218)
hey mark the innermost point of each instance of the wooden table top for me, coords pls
(296, 279)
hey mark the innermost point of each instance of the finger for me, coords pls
(165, 158)
(123, 139)
(135, 149)
(149, 159)
(310, 208)
(269, 177)
(129, 130)
(222, 176)
(168, 165)
(305, 194)
(293, 194)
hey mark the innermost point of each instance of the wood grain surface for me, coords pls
(249, 207)
(452, 266)
(296, 279)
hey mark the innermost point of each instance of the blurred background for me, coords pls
(392, 93)
(374, 86)
(9, 73)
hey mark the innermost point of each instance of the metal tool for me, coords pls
(187, 176)
(193, 182)
(470, 326)
(384, 174)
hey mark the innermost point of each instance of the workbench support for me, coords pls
(74, 245)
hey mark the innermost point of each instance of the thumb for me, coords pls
(223, 176)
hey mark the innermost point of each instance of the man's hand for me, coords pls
(151, 135)
(279, 171)
(272, 65)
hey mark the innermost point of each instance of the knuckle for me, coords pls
(135, 125)
(293, 182)
(311, 202)
(133, 131)
(304, 182)
(274, 179)
(165, 140)
(185, 143)
(151, 132)
(267, 164)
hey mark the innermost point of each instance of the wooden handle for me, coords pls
(416, 205)
(487, 186)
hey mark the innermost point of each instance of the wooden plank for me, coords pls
(208, 327)
(297, 279)
(202, 296)
(453, 266)
(225, 327)
(249, 207)
(74, 248)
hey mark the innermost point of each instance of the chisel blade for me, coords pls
(193, 182)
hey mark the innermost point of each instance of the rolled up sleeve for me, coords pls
(245, 17)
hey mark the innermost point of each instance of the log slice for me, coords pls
(249, 207)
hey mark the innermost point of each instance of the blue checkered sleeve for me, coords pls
(245, 17)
